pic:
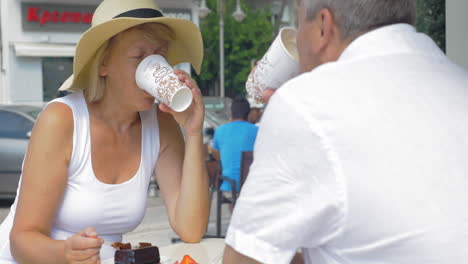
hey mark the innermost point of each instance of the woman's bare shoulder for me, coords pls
(56, 115)
(54, 125)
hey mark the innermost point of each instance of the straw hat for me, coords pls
(114, 16)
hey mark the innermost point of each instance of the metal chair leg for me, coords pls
(218, 213)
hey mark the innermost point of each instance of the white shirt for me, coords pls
(363, 160)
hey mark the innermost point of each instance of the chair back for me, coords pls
(214, 171)
(246, 161)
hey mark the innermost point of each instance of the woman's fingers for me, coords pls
(88, 232)
(197, 95)
(81, 243)
(267, 93)
(81, 255)
(84, 247)
(91, 260)
(166, 109)
(181, 73)
(185, 78)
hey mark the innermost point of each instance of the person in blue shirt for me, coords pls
(232, 138)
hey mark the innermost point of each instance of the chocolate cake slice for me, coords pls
(145, 253)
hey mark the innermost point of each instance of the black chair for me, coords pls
(214, 171)
(213, 168)
(246, 161)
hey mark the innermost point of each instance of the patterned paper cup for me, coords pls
(156, 76)
(279, 64)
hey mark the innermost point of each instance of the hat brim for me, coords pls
(186, 46)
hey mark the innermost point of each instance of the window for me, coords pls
(14, 125)
(55, 70)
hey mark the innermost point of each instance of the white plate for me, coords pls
(164, 260)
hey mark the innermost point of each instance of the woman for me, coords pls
(92, 153)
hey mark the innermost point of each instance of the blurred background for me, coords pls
(38, 39)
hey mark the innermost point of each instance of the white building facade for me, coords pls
(38, 39)
(456, 32)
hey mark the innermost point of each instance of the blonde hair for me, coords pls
(95, 87)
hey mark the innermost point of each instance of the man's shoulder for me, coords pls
(241, 125)
(252, 127)
(221, 128)
(244, 125)
(298, 89)
(225, 127)
(320, 77)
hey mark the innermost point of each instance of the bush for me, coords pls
(430, 19)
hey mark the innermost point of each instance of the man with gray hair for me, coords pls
(362, 158)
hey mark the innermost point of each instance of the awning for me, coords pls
(44, 49)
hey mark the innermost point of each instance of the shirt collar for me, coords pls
(392, 39)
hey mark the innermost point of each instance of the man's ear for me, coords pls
(326, 23)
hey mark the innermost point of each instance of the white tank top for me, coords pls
(113, 209)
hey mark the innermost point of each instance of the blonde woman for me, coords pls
(92, 153)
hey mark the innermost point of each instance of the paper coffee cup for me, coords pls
(279, 64)
(156, 76)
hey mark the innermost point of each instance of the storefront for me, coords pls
(38, 40)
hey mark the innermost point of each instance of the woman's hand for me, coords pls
(192, 118)
(84, 247)
(267, 93)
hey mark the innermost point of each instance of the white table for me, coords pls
(208, 251)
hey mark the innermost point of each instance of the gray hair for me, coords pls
(355, 17)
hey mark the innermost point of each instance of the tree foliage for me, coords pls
(249, 39)
(243, 41)
(430, 19)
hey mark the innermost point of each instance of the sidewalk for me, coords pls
(155, 226)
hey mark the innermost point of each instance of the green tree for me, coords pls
(243, 41)
(430, 19)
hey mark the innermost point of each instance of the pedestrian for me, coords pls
(231, 139)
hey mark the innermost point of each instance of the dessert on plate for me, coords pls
(143, 253)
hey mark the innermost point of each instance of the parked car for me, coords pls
(16, 122)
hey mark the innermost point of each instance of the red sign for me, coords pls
(36, 14)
